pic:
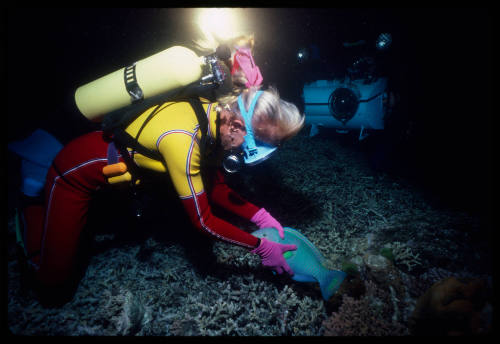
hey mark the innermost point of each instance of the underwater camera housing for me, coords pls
(346, 104)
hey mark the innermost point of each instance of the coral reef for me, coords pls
(370, 315)
(387, 253)
(403, 255)
(246, 313)
(451, 307)
(149, 285)
(382, 271)
(349, 268)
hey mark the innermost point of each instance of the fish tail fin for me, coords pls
(330, 282)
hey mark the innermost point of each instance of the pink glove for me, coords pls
(243, 59)
(264, 220)
(271, 254)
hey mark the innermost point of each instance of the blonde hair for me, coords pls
(274, 119)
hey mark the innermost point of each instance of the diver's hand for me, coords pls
(264, 220)
(271, 254)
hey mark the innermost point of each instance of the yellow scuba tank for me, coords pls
(169, 69)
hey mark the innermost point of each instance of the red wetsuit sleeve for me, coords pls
(178, 143)
(225, 197)
(201, 216)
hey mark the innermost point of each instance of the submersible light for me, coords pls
(383, 41)
(219, 22)
(302, 55)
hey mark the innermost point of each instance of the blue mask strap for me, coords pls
(247, 116)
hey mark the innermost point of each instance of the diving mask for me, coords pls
(252, 151)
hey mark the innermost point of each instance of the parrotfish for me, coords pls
(307, 263)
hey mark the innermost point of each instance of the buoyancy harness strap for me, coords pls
(202, 121)
(115, 122)
(122, 139)
(123, 117)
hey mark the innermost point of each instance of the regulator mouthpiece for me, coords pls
(233, 163)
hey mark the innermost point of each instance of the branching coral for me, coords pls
(255, 309)
(403, 255)
(371, 315)
(128, 312)
(152, 288)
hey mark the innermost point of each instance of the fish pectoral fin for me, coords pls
(304, 278)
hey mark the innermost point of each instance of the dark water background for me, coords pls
(439, 64)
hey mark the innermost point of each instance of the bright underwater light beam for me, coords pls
(219, 22)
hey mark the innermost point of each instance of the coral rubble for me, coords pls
(150, 285)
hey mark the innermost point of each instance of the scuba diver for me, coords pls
(241, 127)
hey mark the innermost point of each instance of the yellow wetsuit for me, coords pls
(175, 133)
